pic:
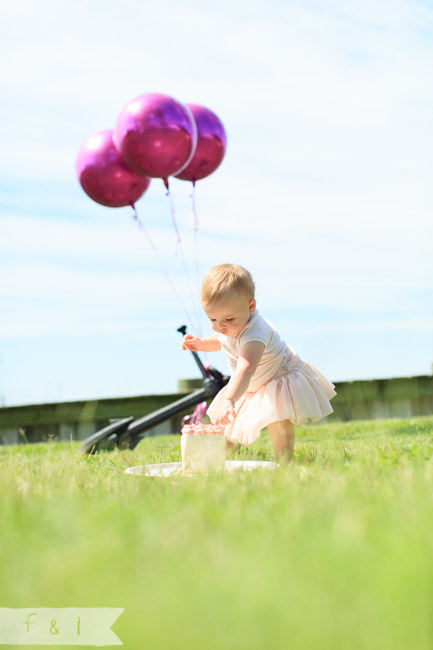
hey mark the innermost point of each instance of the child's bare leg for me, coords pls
(283, 438)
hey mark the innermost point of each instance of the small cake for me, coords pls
(203, 448)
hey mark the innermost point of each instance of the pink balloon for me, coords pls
(104, 176)
(211, 145)
(156, 135)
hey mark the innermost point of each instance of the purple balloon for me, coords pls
(156, 135)
(104, 176)
(211, 145)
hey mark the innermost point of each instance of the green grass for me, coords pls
(333, 551)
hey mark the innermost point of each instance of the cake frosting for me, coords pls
(203, 448)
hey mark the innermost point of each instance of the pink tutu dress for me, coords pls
(283, 386)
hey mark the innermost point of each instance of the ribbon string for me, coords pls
(196, 248)
(161, 263)
(194, 295)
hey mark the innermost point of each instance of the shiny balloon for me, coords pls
(211, 145)
(156, 135)
(104, 176)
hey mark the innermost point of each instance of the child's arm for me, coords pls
(247, 363)
(195, 343)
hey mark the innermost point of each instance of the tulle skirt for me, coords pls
(301, 395)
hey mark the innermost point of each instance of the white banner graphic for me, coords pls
(59, 626)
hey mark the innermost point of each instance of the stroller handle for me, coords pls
(204, 372)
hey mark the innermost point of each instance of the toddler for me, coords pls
(270, 386)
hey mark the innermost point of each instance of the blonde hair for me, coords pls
(226, 277)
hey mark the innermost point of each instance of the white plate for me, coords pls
(174, 469)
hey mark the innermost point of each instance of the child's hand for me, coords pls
(226, 412)
(192, 342)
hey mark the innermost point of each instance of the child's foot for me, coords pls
(284, 458)
(231, 448)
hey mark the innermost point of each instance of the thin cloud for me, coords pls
(408, 325)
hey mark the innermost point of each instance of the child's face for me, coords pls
(230, 313)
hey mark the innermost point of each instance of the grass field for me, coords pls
(333, 551)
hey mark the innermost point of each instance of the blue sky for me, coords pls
(325, 193)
